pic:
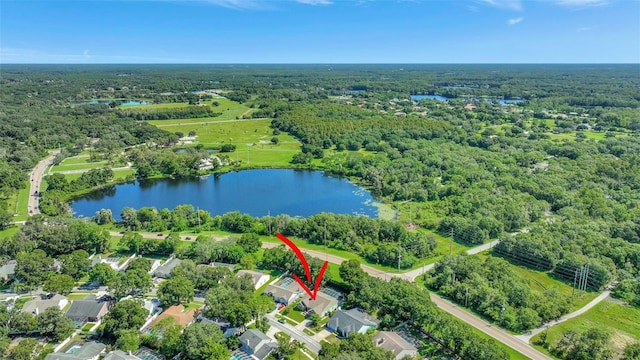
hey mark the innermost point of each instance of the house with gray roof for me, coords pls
(89, 309)
(120, 355)
(8, 270)
(351, 321)
(228, 330)
(393, 342)
(88, 351)
(256, 344)
(322, 305)
(258, 278)
(37, 306)
(164, 270)
(285, 292)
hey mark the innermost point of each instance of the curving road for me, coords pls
(35, 178)
(313, 345)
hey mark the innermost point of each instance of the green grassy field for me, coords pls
(18, 203)
(541, 281)
(9, 232)
(623, 321)
(117, 174)
(230, 110)
(252, 139)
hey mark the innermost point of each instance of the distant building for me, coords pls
(256, 344)
(37, 306)
(164, 271)
(88, 351)
(393, 342)
(322, 305)
(258, 278)
(89, 309)
(351, 321)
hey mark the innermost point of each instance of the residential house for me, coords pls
(285, 292)
(114, 262)
(256, 344)
(351, 321)
(164, 271)
(155, 263)
(89, 309)
(205, 164)
(231, 267)
(393, 342)
(37, 306)
(258, 278)
(181, 317)
(8, 270)
(228, 330)
(88, 351)
(322, 305)
(120, 355)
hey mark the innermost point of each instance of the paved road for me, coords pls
(35, 179)
(527, 337)
(511, 341)
(313, 345)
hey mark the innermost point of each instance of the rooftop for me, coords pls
(176, 312)
(393, 342)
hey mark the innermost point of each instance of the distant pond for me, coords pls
(255, 192)
(502, 102)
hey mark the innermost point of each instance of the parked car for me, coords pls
(160, 234)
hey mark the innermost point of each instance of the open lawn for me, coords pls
(230, 110)
(592, 135)
(621, 320)
(9, 232)
(18, 204)
(252, 139)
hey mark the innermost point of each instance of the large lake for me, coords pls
(255, 192)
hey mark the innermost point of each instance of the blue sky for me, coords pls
(320, 31)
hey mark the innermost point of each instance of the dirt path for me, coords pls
(527, 337)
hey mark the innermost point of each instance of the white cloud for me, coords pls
(581, 3)
(515, 21)
(504, 4)
(584, 28)
(315, 2)
(86, 54)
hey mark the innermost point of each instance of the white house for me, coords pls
(258, 278)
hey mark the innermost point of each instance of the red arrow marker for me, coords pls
(305, 265)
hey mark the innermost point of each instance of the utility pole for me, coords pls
(399, 256)
(466, 296)
(269, 221)
(575, 279)
(451, 243)
(324, 234)
(198, 214)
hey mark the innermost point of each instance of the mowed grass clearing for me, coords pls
(252, 139)
(17, 204)
(230, 110)
(621, 320)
